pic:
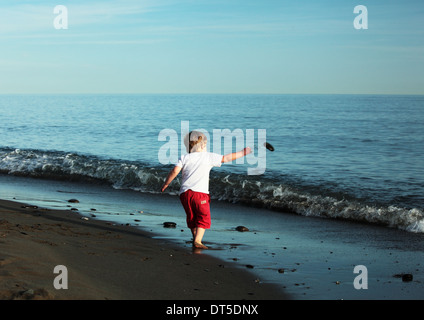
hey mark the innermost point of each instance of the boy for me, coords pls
(194, 191)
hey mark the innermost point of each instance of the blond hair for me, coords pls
(195, 141)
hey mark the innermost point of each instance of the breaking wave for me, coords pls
(264, 191)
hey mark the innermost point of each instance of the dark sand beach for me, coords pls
(106, 261)
(124, 252)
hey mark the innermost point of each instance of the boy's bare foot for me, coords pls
(199, 245)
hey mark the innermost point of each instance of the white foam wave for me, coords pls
(261, 192)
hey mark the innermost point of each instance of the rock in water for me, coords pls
(407, 277)
(242, 229)
(269, 146)
(169, 224)
(73, 201)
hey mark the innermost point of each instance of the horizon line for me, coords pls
(205, 93)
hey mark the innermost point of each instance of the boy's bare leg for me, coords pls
(198, 238)
(193, 232)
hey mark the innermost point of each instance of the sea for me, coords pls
(351, 161)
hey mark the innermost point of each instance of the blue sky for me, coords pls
(204, 46)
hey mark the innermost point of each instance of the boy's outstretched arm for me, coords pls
(235, 155)
(171, 176)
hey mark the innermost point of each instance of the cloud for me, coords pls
(18, 19)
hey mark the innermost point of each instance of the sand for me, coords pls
(106, 261)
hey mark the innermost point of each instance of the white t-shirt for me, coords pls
(195, 170)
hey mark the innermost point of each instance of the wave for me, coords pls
(264, 191)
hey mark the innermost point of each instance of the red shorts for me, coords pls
(197, 208)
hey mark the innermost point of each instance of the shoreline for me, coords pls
(299, 258)
(106, 261)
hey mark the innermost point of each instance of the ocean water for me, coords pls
(352, 157)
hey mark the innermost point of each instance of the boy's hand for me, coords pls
(171, 176)
(247, 150)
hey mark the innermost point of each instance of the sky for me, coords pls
(205, 46)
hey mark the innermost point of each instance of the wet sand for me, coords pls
(106, 261)
(124, 252)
